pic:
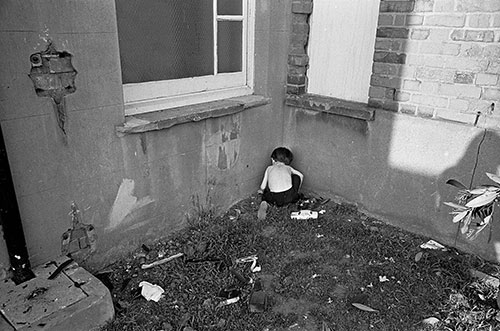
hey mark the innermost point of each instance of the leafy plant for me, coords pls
(475, 206)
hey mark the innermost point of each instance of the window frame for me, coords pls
(160, 95)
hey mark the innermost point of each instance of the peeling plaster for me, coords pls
(125, 204)
(223, 145)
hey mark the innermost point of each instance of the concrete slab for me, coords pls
(72, 300)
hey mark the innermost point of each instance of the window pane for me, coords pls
(229, 46)
(162, 40)
(229, 7)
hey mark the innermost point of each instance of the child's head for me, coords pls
(282, 154)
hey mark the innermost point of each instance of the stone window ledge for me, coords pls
(164, 119)
(330, 105)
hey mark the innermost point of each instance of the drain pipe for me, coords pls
(10, 221)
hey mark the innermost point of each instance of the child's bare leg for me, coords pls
(261, 214)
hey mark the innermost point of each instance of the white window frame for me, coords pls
(159, 95)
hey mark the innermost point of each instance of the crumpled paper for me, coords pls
(151, 291)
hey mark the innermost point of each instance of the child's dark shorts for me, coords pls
(283, 198)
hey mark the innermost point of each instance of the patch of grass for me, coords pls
(312, 272)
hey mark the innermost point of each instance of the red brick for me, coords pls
(300, 28)
(429, 100)
(385, 19)
(414, 19)
(296, 79)
(464, 77)
(491, 94)
(387, 69)
(423, 5)
(420, 34)
(478, 5)
(387, 32)
(408, 109)
(460, 91)
(479, 20)
(444, 5)
(389, 57)
(396, 6)
(298, 59)
(295, 89)
(392, 82)
(302, 7)
(486, 79)
(401, 96)
(425, 112)
(445, 20)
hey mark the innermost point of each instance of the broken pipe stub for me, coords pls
(53, 76)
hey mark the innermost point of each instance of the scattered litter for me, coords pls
(315, 276)
(258, 302)
(228, 302)
(240, 277)
(430, 321)
(431, 244)
(151, 291)
(370, 285)
(485, 278)
(322, 211)
(320, 235)
(229, 293)
(253, 259)
(418, 256)
(383, 279)
(165, 260)
(364, 307)
(304, 214)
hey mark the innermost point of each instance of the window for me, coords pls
(179, 52)
(341, 45)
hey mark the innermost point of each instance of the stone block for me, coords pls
(429, 87)
(459, 105)
(435, 74)
(401, 96)
(57, 304)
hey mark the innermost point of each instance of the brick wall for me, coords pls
(297, 57)
(439, 59)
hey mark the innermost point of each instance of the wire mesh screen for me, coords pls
(165, 39)
(229, 39)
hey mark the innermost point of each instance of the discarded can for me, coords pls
(304, 214)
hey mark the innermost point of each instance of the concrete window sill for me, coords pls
(330, 105)
(167, 118)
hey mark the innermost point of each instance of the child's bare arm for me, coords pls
(264, 182)
(298, 173)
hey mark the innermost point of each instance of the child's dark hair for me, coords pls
(282, 154)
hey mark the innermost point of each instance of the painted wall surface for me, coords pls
(135, 188)
(396, 167)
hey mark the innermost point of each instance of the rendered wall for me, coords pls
(435, 67)
(135, 188)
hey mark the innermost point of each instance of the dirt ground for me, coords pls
(341, 271)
